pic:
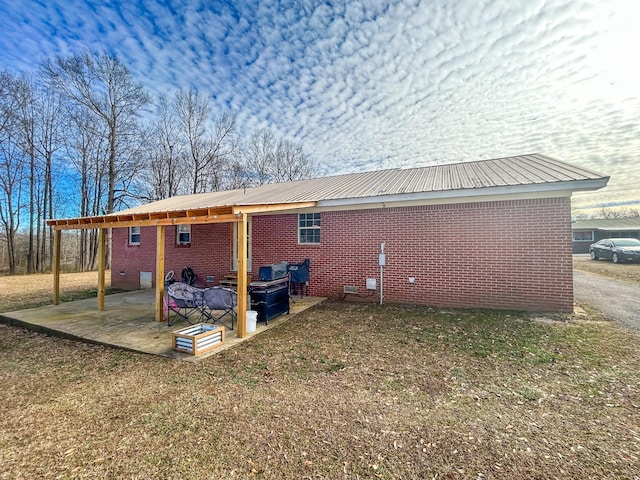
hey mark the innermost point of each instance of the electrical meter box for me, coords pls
(371, 283)
(382, 259)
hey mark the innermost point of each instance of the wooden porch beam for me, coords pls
(57, 237)
(193, 220)
(276, 207)
(159, 273)
(102, 253)
(242, 277)
(177, 217)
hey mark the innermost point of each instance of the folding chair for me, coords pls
(221, 300)
(184, 301)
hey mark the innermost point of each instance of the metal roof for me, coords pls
(609, 224)
(511, 175)
(533, 169)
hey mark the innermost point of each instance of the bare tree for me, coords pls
(193, 111)
(268, 161)
(291, 163)
(618, 212)
(38, 117)
(237, 175)
(87, 145)
(226, 146)
(12, 165)
(26, 137)
(208, 143)
(165, 172)
(102, 85)
(49, 110)
(260, 156)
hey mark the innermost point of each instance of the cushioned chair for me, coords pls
(185, 301)
(219, 302)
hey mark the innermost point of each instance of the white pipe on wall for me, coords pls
(381, 261)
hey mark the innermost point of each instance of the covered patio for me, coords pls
(127, 322)
(190, 210)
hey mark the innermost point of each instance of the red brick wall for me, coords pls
(504, 254)
(209, 254)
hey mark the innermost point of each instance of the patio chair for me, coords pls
(184, 301)
(221, 300)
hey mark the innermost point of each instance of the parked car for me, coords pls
(616, 249)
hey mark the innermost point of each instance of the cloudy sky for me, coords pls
(371, 84)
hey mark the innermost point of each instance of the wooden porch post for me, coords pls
(57, 237)
(242, 276)
(159, 273)
(102, 235)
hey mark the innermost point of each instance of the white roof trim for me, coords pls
(613, 229)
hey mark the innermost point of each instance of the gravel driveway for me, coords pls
(615, 299)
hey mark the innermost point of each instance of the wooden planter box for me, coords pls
(197, 339)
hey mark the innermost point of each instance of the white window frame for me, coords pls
(234, 261)
(304, 217)
(132, 232)
(186, 229)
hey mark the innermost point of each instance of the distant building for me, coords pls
(585, 232)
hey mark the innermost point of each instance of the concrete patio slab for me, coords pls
(128, 323)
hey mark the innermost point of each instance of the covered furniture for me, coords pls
(299, 277)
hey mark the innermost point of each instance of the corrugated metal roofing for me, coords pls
(533, 169)
(607, 224)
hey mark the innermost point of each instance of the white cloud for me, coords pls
(382, 84)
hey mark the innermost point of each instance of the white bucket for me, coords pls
(252, 318)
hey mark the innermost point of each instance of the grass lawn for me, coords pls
(344, 390)
(30, 291)
(628, 272)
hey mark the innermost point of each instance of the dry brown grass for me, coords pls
(629, 272)
(343, 391)
(27, 291)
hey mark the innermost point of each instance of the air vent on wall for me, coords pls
(350, 289)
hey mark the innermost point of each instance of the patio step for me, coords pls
(231, 281)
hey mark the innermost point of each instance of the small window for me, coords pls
(309, 228)
(183, 234)
(134, 235)
(583, 236)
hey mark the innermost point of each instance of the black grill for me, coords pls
(269, 298)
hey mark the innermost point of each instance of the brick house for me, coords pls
(492, 233)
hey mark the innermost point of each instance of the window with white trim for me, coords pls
(309, 228)
(183, 234)
(134, 235)
(583, 236)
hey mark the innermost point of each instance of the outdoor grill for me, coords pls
(269, 298)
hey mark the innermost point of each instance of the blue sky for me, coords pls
(369, 84)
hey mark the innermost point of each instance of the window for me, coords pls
(183, 234)
(309, 228)
(134, 235)
(583, 236)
